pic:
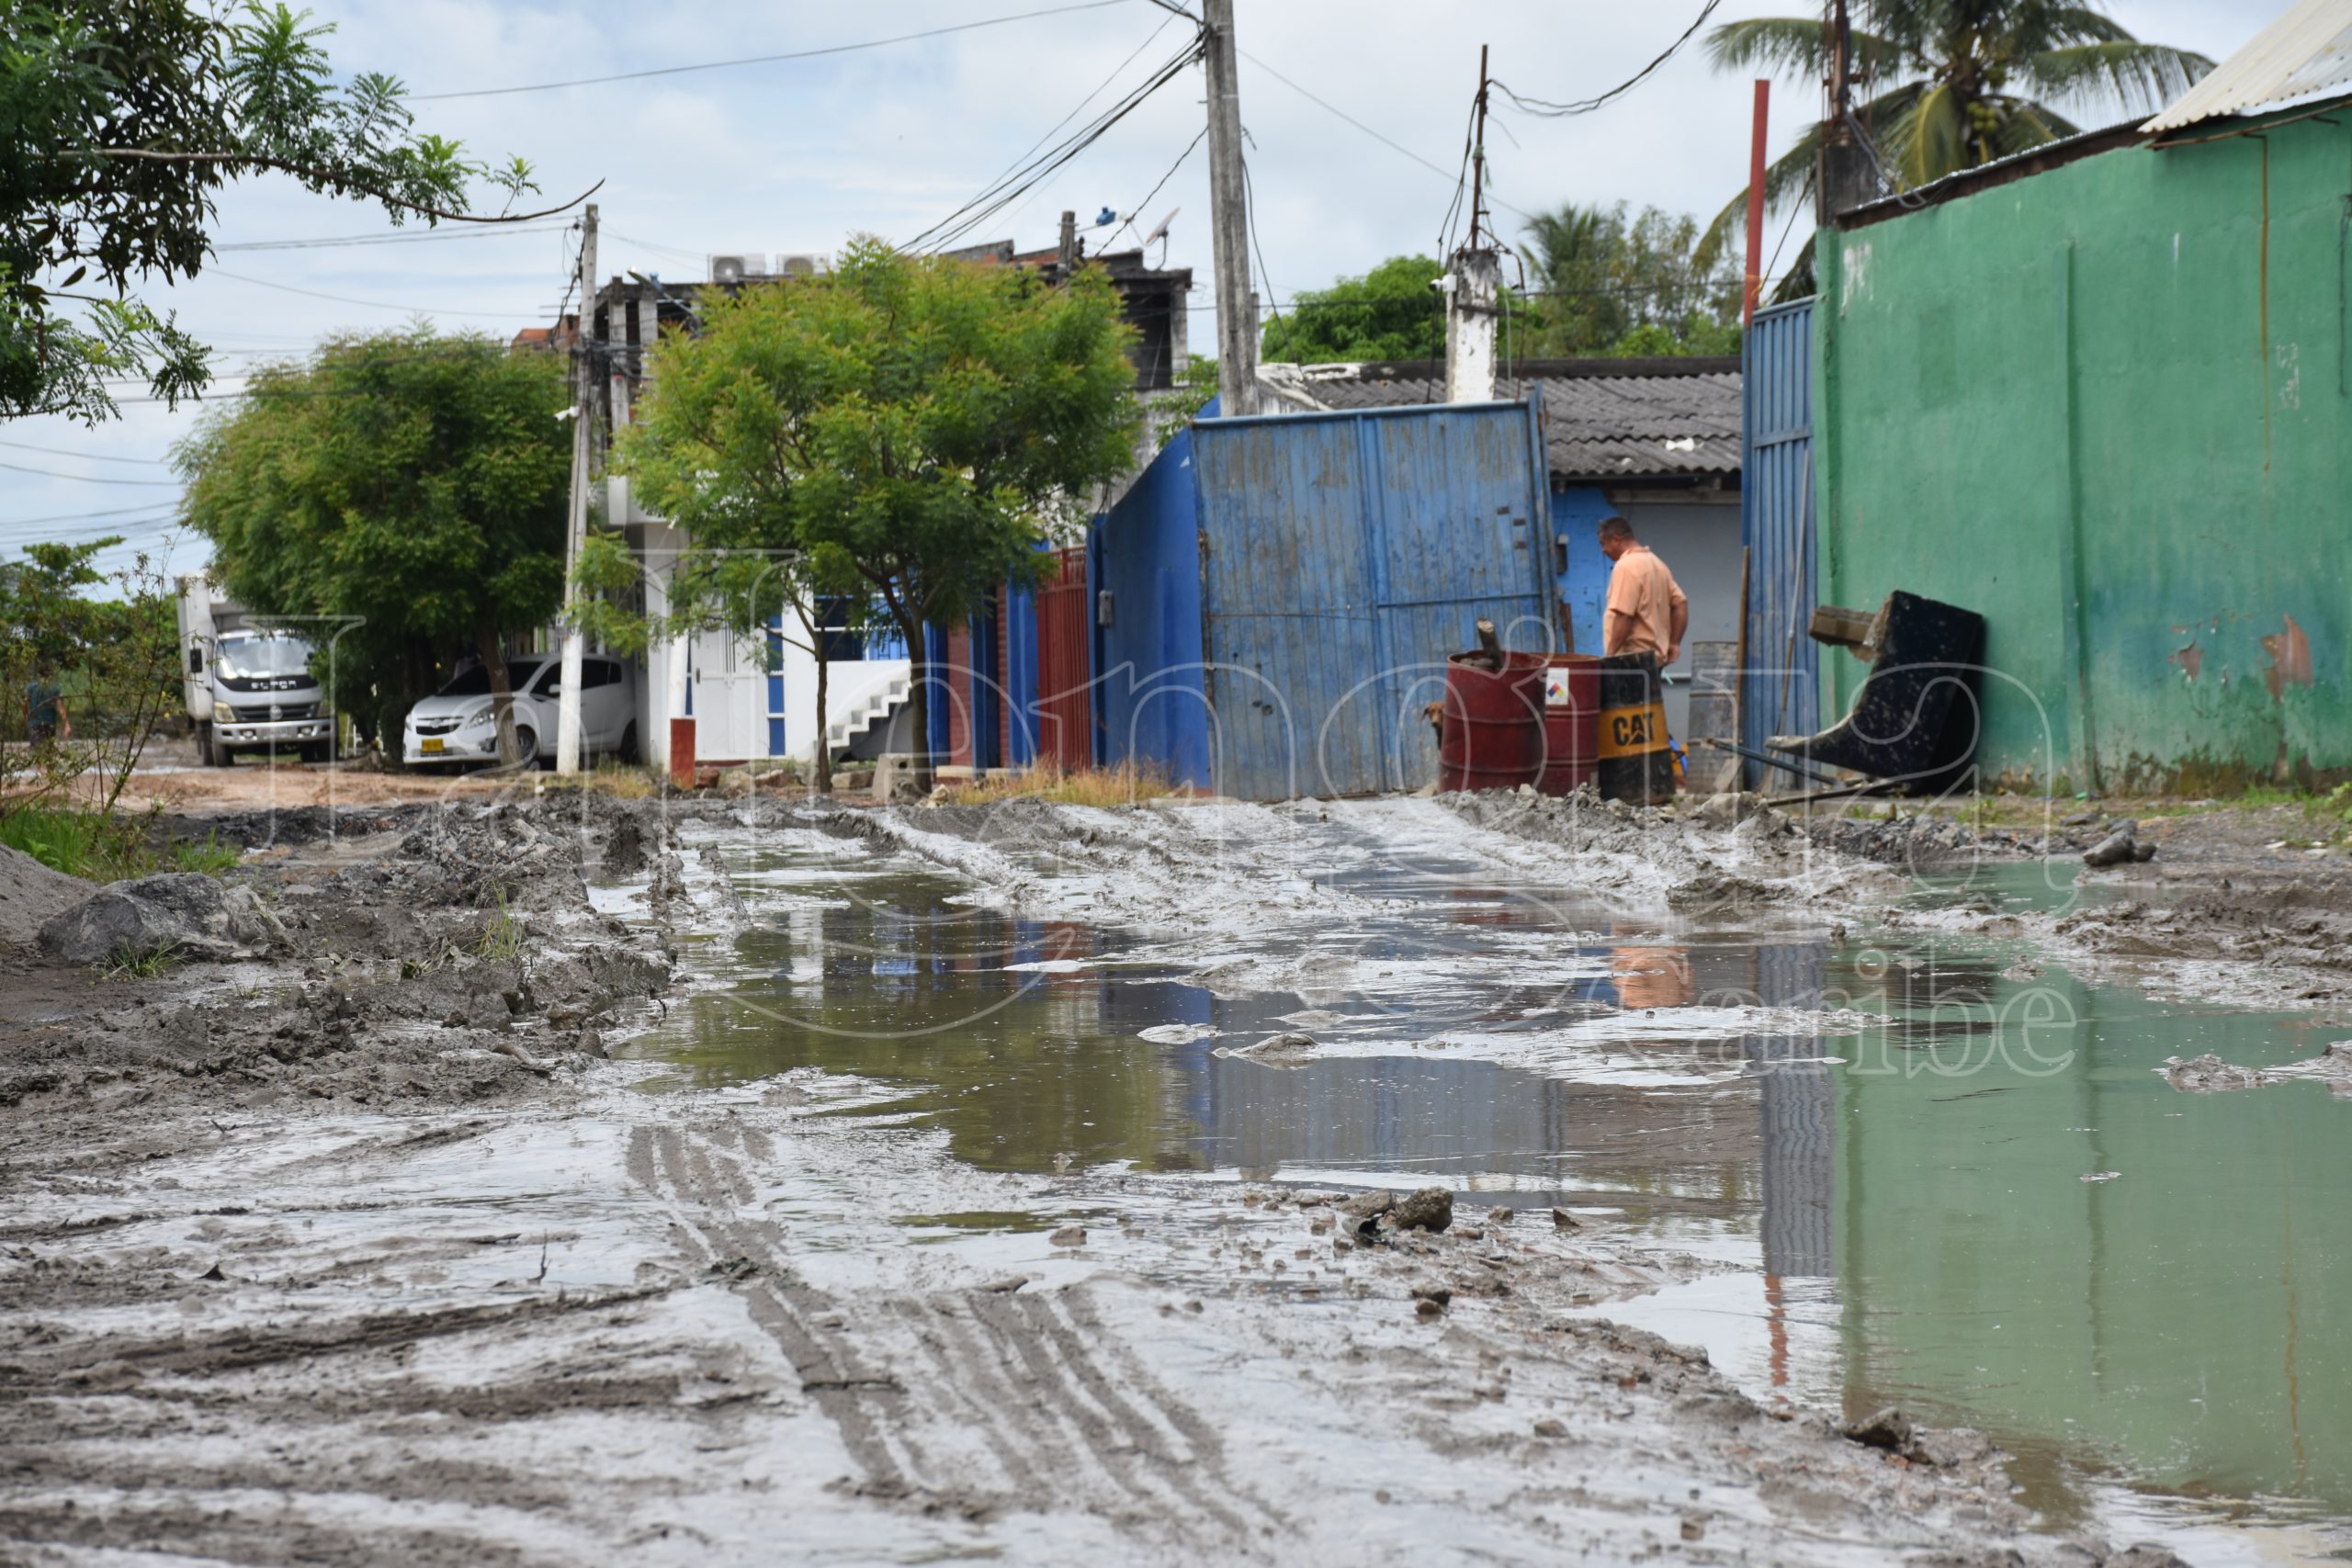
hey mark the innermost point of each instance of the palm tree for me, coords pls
(1972, 81)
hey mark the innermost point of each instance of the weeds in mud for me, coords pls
(211, 857)
(502, 935)
(150, 965)
(1121, 786)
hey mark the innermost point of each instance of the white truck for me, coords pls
(248, 684)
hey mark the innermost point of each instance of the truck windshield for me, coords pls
(475, 683)
(254, 657)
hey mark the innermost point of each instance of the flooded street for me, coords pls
(664, 1181)
(1899, 1167)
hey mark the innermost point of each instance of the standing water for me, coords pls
(1982, 1203)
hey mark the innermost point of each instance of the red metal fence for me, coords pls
(1065, 704)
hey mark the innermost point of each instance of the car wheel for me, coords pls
(205, 757)
(527, 746)
(628, 744)
(314, 751)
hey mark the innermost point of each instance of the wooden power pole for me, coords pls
(584, 455)
(1236, 307)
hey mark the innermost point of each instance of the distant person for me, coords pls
(1646, 612)
(45, 715)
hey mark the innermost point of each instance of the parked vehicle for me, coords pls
(247, 685)
(460, 722)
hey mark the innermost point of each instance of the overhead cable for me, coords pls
(1439, 170)
(92, 456)
(1586, 106)
(767, 59)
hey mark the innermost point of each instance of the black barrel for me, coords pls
(1637, 761)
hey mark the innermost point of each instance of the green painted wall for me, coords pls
(2107, 406)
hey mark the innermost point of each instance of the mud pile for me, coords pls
(432, 954)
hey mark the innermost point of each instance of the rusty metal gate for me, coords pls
(1343, 557)
(1065, 708)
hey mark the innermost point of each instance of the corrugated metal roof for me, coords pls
(2307, 49)
(1596, 426)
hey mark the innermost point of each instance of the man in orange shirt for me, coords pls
(1646, 612)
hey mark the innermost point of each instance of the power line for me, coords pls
(1324, 104)
(1136, 210)
(378, 304)
(767, 59)
(75, 516)
(86, 478)
(1586, 106)
(429, 237)
(1004, 192)
(92, 456)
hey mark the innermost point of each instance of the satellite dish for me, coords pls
(1162, 231)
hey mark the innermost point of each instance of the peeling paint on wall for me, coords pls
(2291, 659)
(2190, 659)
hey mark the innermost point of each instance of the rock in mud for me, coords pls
(2118, 848)
(1712, 889)
(1888, 1428)
(1289, 1050)
(625, 849)
(1068, 1236)
(184, 913)
(2209, 1075)
(1430, 1209)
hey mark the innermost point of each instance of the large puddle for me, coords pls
(1989, 1210)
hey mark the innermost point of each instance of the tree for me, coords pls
(111, 658)
(1961, 83)
(122, 120)
(1608, 285)
(1391, 312)
(417, 482)
(922, 425)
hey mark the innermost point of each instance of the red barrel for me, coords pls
(1492, 737)
(1571, 721)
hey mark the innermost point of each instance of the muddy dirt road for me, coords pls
(753, 1181)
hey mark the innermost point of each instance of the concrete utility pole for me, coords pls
(1843, 180)
(1473, 283)
(1237, 307)
(584, 454)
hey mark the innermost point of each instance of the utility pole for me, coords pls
(1756, 142)
(1842, 181)
(1236, 307)
(1472, 285)
(584, 454)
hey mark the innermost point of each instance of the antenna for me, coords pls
(1160, 233)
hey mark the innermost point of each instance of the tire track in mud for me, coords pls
(979, 1401)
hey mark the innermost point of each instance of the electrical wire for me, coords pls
(91, 457)
(432, 236)
(766, 59)
(1586, 106)
(347, 300)
(1329, 107)
(1116, 72)
(87, 479)
(148, 505)
(1137, 210)
(1005, 191)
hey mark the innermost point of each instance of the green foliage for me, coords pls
(1170, 411)
(414, 484)
(904, 431)
(124, 120)
(1950, 87)
(108, 847)
(1391, 312)
(1610, 284)
(111, 662)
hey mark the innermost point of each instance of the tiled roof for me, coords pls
(1603, 420)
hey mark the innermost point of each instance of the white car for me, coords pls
(460, 724)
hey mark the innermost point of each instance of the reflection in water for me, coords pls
(2186, 1325)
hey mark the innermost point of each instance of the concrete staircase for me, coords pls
(846, 723)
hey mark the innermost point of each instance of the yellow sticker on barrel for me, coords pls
(1632, 732)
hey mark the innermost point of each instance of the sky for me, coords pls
(798, 155)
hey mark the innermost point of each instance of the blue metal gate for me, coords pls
(1343, 557)
(1779, 688)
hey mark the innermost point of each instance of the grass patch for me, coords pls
(80, 844)
(105, 848)
(1121, 786)
(142, 966)
(502, 935)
